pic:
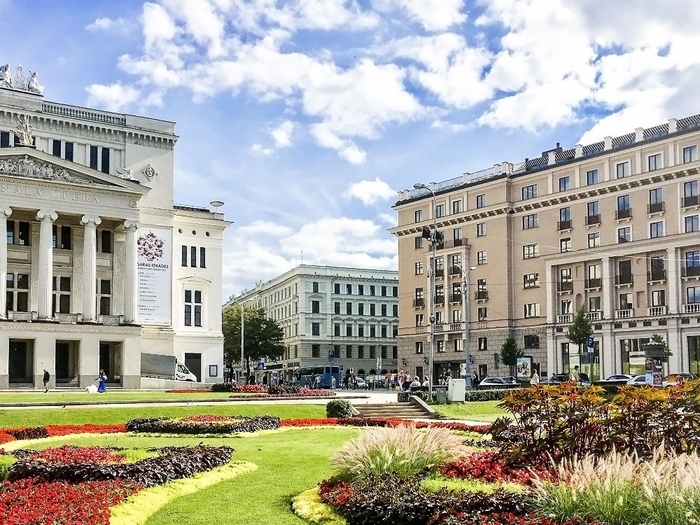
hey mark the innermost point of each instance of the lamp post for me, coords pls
(242, 339)
(465, 318)
(433, 239)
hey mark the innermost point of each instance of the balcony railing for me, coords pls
(624, 279)
(456, 327)
(566, 286)
(657, 275)
(594, 316)
(595, 282)
(655, 311)
(690, 271)
(419, 302)
(481, 295)
(455, 270)
(565, 318)
(623, 214)
(564, 225)
(692, 200)
(456, 298)
(692, 308)
(592, 219)
(626, 313)
(657, 207)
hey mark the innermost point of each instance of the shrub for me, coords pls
(486, 394)
(198, 425)
(488, 466)
(340, 408)
(403, 450)
(284, 390)
(223, 387)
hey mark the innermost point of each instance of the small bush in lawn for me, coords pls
(340, 408)
(621, 489)
(486, 394)
(403, 450)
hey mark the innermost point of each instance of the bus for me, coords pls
(326, 373)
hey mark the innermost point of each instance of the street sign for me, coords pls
(261, 366)
(590, 344)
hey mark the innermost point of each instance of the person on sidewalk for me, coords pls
(47, 378)
(575, 376)
(535, 379)
(102, 388)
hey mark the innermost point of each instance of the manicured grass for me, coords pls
(39, 397)
(30, 417)
(473, 411)
(289, 462)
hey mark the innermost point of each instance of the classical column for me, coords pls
(4, 214)
(45, 280)
(90, 267)
(130, 273)
(673, 262)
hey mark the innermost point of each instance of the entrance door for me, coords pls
(66, 361)
(111, 361)
(194, 363)
(21, 361)
(483, 371)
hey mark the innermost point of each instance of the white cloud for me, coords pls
(264, 228)
(282, 135)
(107, 24)
(389, 218)
(371, 191)
(114, 97)
(432, 15)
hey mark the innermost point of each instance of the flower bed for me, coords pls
(208, 425)
(382, 422)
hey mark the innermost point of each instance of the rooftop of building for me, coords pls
(557, 156)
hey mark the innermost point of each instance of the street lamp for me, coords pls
(465, 318)
(433, 239)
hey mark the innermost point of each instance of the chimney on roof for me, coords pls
(638, 134)
(579, 151)
(608, 143)
(672, 125)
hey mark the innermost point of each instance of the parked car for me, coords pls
(617, 378)
(557, 379)
(638, 380)
(496, 382)
(673, 379)
(361, 383)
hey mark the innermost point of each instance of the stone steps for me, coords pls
(389, 410)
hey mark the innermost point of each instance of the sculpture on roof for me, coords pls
(5, 76)
(20, 80)
(33, 85)
(24, 131)
(126, 173)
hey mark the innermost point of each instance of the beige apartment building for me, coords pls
(612, 226)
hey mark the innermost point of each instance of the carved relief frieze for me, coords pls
(32, 168)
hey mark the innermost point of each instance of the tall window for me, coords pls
(457, 206)
(419, 347)
(184, 255)
(692, 224)
(418, 216)
(690, 193)
(529, 192)
(656, 229)
(348, 289)
(439, 210)
(315, 307)
(565, 245)
(18, 233)
(316, 329)
(564, 218)
(193, 307)
(624, 234)
(656, 200)
(360, 289)
(481, 229)
(418, 268)
(481, 257)
(591, 177)
(564, 183)
(654, 162)
(61, 294)
(690, 154)
(104, 244)
(193, 256)
(622, 170)
(361, 309)
(105, 298)
(17, 299)
(202, 257)
(593, 240)
(62, 237)
(482, 313)
(481, 201)
(336, 308)
(315, 350)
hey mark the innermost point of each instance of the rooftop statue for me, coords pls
(33, 85)
(5, 76)
(24, 131)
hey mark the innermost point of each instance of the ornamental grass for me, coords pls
(622, 489)
(403, 450)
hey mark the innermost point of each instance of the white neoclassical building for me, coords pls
(99, 264)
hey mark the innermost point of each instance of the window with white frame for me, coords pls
(654, 162)
(417, 243)
(419, 347)
(624, 234)
(658, 297)
(565, 245)
(656, 229)
(531, 251)
(529, 192)
(439, 210)
(440, 345)
(531, 310)
(481, 229)
(591, 177)
(481, 200)
(482, 344)
(531, 280)
(690, 154)
(457, 345)
(457, 235)
(420, 319)
(564, 183)
(530, 221)
(193, 307)
(692, 224)
(418, 216)
(622, 170)
(625, 301)
(594, 304)
(17, 292)
(418, 268)
(104, 297)
(481, 257)
(593, 240)
(316, 329)
(61, 294)
(692, 294)
(457, 206)
(565, 307)
(482, 313)
(18, 233)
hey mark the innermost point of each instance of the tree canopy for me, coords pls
(580, 329)
(263, 336)
(510, 352)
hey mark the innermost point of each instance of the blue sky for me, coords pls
(307, 116)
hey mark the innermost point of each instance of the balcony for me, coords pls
(623, 279)
(656, 275)
(564, 225)
(455, 270)
(439, 299)
(565, 286)
(656, 311)
(594, 316)
(690, 271)
(481, 295)
(692, 200)
(456, 327)
(623, 214)
(418, 303)
(592, 219)
(595, 282)
(692, 308)
(625, 313)
(657, 207)
(456, 298)
(565, 318)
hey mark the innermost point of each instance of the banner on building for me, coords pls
(154, 249)
(524, 367)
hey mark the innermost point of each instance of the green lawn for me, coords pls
(39, 397)
(486, 411)
(71, 415)
(289, 462)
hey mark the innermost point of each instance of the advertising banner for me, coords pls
(154, 249)
(523, 367)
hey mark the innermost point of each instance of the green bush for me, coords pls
(340, 408)
(6, 461)
(486, 395)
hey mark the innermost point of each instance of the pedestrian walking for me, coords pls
(47, 378)
(102, 378)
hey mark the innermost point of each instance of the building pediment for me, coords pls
(28, 163)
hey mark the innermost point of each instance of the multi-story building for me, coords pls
(89, 268)
(613, 227)
(347, 315)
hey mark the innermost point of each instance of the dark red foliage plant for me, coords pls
(492, 467)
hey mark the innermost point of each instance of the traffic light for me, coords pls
(426, 234)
